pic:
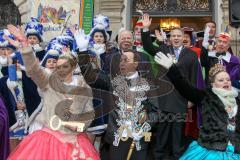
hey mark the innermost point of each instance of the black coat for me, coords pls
(31, 96)
(150, 105)
(213, 133)
(4, 71)
(40, 55)
(188, 65)
(102, 80)
(207, 62)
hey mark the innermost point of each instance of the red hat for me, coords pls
(139, 23)
(187, 30)
(225, 35)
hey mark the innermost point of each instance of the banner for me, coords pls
(56, 15)
(87, 15)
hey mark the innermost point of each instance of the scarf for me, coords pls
(228, 99)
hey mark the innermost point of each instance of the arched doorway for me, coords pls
(9, 14)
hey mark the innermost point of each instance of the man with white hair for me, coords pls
(125, 39)
(221, 55)
(125, 42)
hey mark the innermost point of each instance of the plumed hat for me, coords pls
(4, 42)
(34, 28)
(54, 49)
(67, 39)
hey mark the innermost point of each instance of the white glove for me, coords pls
(136, 136)
(163, 60)
(205, 43)
(11, 84)
(3, 61)
(82, 40)
(21, 118)
(37, 48)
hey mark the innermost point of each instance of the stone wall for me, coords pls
(24, 9)
(113, 9)
(235, 43)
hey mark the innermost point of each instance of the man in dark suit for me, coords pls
(128, 80)
(172, 105)
(129, 67)
(144, 113)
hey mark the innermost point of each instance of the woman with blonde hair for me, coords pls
(67, 110)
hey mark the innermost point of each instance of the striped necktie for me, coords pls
(176, 52)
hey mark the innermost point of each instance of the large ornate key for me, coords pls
(55, 118)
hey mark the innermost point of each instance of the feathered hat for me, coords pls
(54, 49)
(139, 21)
(16, 56)
(67, 39)
(226, 34)
(99, 28)
(102, 21)
(34, 28)
(3, 42)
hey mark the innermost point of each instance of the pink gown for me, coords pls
(47, 144)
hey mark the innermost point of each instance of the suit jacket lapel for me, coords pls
(181, 55)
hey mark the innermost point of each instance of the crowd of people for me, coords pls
(146, 95)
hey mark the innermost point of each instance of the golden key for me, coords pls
(80, 126)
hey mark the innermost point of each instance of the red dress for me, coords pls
(47, 144)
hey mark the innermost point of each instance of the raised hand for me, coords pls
(20, 106)
(163, 60)
(146, 21)
(161, 36)
(207, 30)
(15, 43)
(17, 32)
(205, 42)
(82, 40)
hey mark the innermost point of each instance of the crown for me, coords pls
(217, 68)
